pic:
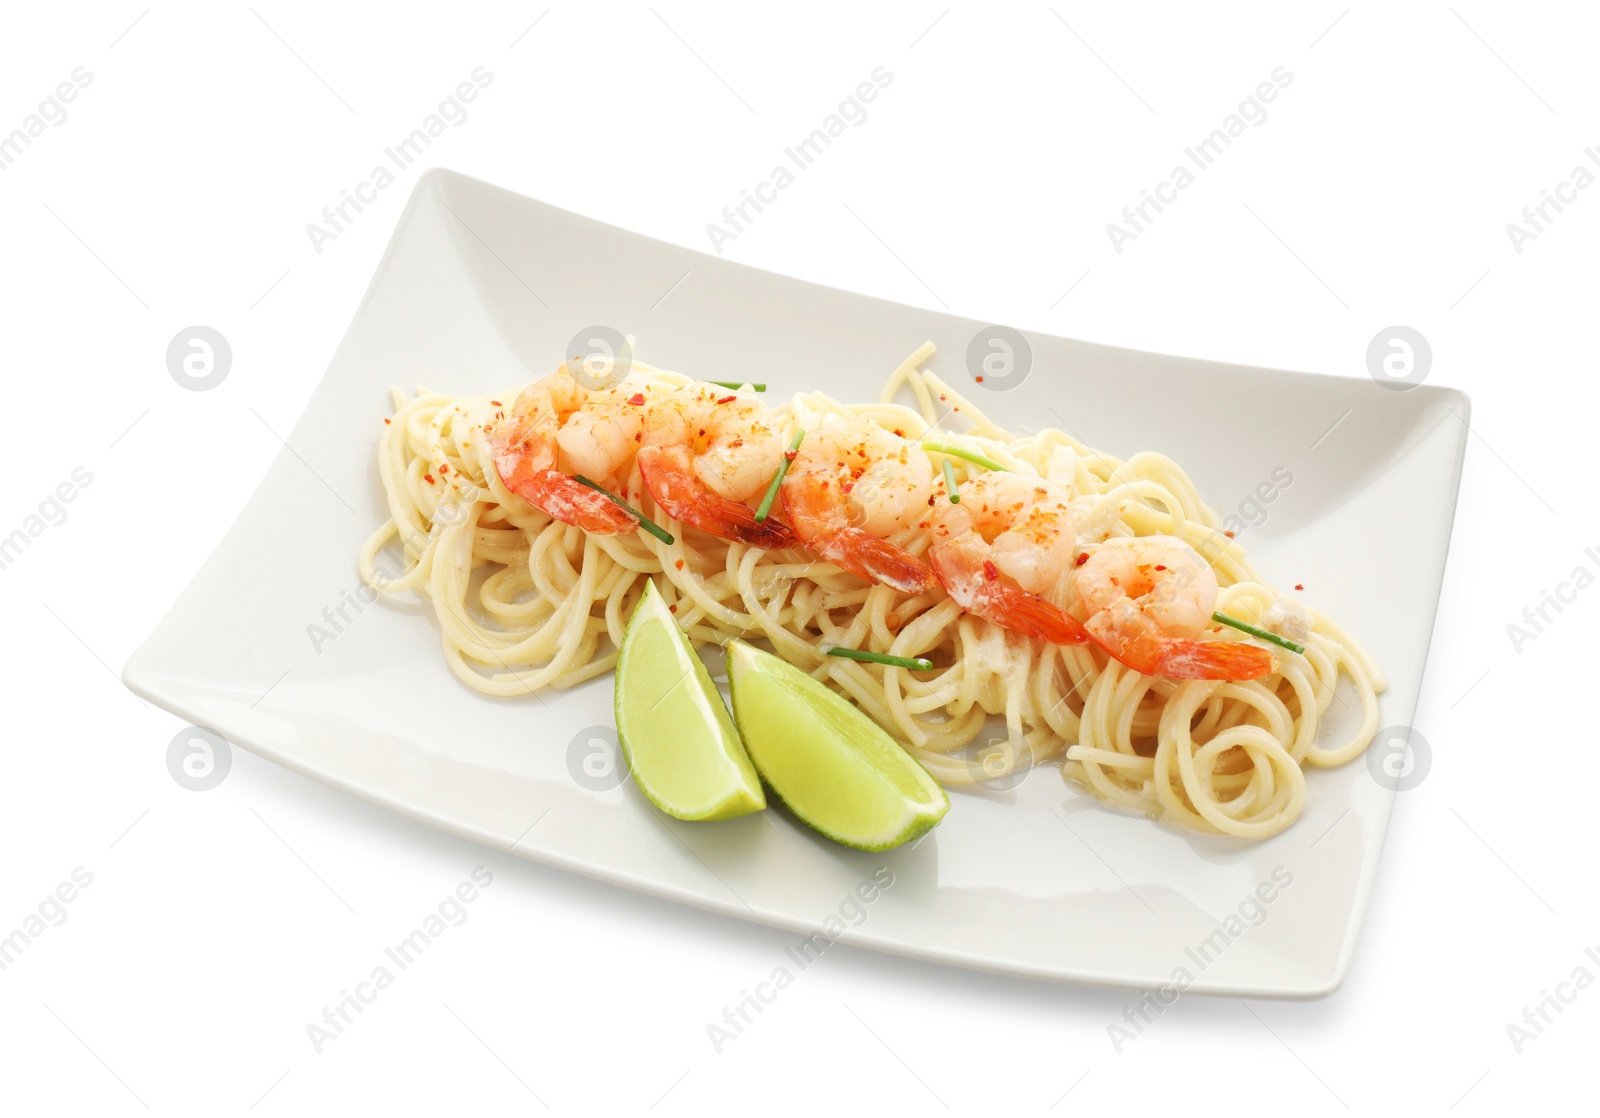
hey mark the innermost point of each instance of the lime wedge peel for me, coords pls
(835, 768)
(680, 743)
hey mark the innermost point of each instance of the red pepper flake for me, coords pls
(990, 571)
(1161, 566)
(1299, 586)
(1082, 559)
(638, 437)
(387, 420)
(497, 403)
(678, 564)
(444, 468)
(847, 486)
(899, 432)
(791, 455)
(980, 380)
(428, 478)
(673, 608)
(930, 502)
(1228, 533)
(636, 399)
(727, 399)
(941, 396)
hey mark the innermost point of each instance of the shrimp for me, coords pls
(1149, 598)
(708, 451)
(1007, 543)
(556, 422)
(853, 483)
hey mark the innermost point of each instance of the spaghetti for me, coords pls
(525, 602)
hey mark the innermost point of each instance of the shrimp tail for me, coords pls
(1134, 640)
(862, 553)
(670, 479)
(976, 586)
(807, 502)
(558, 495)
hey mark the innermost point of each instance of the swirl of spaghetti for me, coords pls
(523, 602)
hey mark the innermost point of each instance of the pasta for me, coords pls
(525, 602)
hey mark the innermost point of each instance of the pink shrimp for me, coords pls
(593, 430)
(1150, 598)
(707, 452)
(852, 484)
(1006, 543)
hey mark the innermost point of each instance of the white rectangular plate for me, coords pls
(481, 290)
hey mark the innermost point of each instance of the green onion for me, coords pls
(911, 663)
(737, 384)
(645, 522)
(950, 483)
(1263, 634)
(777, 478)
(959, 452)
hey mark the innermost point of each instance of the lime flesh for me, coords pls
(682, 747)
(833, 766)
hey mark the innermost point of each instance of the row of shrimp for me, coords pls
(1003, 546)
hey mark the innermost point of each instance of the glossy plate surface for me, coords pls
(481, 290)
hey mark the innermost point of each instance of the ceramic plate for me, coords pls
(481, 289)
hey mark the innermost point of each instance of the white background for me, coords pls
(177, 192)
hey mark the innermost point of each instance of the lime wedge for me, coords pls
(835, 767)
(681, 746)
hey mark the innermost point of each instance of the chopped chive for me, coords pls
(738, 384)
(645, 522)
(960, 452)
(1254, 631)
(911, 663)
(777, 478)
(950, 482)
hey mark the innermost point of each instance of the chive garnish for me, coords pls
(950, 483)
(960, 452)
(1254, 631)
(735, 385)
(777, 478)
(911, 663)
(645, 522)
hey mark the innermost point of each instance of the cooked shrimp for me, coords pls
(1149, 598)
(853, 483)
(707, 451)
(1007, 543)
(558, 428)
